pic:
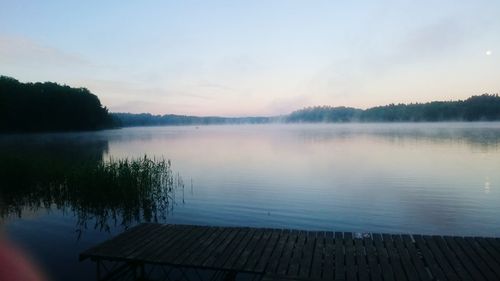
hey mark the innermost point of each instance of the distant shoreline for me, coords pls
(476, 108)
(50, 107)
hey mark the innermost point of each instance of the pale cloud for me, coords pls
(250, 59)
(286, 105)
(356, 79)
(21, 51)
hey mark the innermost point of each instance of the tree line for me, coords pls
(147, 119)
(484, 107)
(32, 107)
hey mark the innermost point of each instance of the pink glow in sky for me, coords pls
(238, 58)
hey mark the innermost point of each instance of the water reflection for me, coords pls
(75, 177)
(475, 135)
(436, 178)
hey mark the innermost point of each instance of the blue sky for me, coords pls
(254, 57)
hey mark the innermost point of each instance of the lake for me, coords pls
(428, 178)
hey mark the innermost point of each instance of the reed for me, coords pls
(104, 192)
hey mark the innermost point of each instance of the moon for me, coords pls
(488, 52)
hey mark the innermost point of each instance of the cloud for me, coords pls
(352, 77)
(25, 52)
(288, 104)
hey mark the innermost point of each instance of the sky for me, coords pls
(259, 57)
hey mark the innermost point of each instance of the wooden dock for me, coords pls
(282, 254)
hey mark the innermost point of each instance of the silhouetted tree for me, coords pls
(31, 107)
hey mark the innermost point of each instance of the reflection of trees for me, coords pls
(74, 178)
(485, 136)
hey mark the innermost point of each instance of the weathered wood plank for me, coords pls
(361, 260)
(415, 258)
(334, 255)
(350, 263)
(161, 243)
(118, 241)
(318, 255)
(495, 243)
(233, 258)
(305, 255)
(328, 265)
(394, 258)
(463, 258)
(474, 259)
(242, 232)
(383, 255)
(204, 245)
(199, 244)
(149, 240)
(484, 255)
(287, 253)
(258, 251)
(293, 268)
(449, 255)
(371, 255)
(492, 252)
(434, 258)
(411, 272)
(269, 251)
(221, 248)
(116, 247)
(248, 250)
(272, 266)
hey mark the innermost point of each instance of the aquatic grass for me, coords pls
(119, 191)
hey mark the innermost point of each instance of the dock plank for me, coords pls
(415, 258)
(361, 260)
(317, 257)
(248, 250)
(258, 251)
(269, 251)
(287, 253)
(294, 266)
(383, 255)
(448, 254)
(232, 260)
(474, 258)
(218, 252)
(272, 266)
(373, 264)
(305, 255)
(394, 258)
(485, 256)
(409, 268)
(334, 255)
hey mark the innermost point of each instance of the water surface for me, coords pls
(430, 178)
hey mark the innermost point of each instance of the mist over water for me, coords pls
(430, 178)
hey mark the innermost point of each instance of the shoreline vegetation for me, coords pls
(484, 107)
(121, 191)
(48, 107)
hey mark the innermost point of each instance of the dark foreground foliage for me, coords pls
(34, 107)
(102, 192)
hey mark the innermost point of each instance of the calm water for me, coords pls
(439, 178)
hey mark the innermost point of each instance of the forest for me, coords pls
(147, 119)
(484, 107)
(36, 107)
